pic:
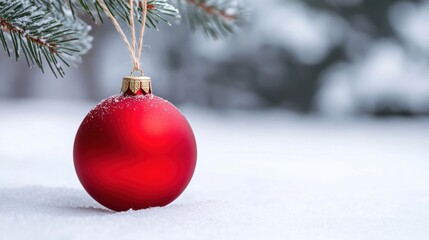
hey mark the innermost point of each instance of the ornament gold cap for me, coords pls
(136, 83)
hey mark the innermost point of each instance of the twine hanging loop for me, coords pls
(134, 49)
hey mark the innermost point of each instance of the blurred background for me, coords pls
(331, 57)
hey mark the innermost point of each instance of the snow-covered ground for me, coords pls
(260, 175)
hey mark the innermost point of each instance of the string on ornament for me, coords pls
(135, 55)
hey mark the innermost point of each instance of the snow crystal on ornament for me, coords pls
(111, 105)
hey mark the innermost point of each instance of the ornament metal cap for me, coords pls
(136, 83)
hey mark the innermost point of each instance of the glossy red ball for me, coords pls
(135, 152)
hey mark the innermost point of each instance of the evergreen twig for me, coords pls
(38, 30)
(50, 32)
(217, 18)
(158, 10)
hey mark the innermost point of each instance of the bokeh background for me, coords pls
(347, 57)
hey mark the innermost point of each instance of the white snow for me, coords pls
(260, 175)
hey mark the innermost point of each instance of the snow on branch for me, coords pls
(217, 18)
(44, 32)
(47, 31)
(158, 10)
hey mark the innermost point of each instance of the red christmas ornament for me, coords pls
(136, 150)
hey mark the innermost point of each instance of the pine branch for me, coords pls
(44, 32)
(48, 32)
(217, 18)
(158, 10)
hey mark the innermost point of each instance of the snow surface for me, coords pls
(260, 175)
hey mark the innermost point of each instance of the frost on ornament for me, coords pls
(135, 152)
